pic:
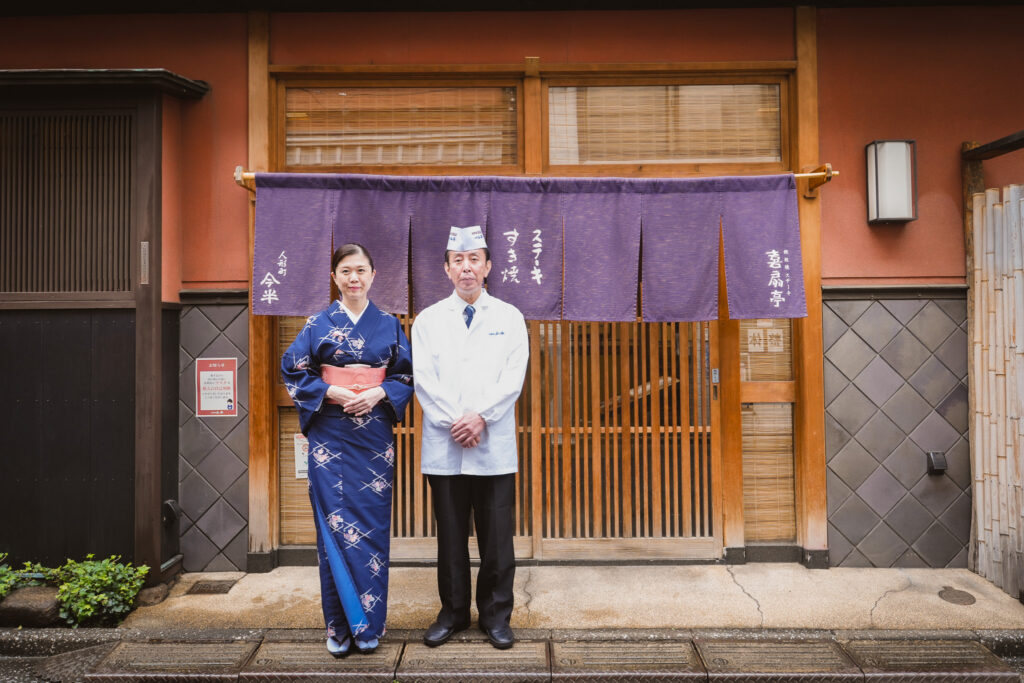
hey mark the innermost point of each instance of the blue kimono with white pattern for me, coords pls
(351, 460)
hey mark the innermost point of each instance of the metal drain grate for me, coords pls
(218, 587)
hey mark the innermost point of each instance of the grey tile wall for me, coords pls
(895, 388)
(213, 457)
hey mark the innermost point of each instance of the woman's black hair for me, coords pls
(347, 250)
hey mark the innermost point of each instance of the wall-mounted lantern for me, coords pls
(892, 181)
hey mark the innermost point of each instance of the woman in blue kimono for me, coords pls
(349, 372)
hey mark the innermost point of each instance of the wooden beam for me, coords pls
(263, 513)
(991, 150)
(768, 392)
(729, 498)
(547, 70)
(808, 352)
(149, 337)
(532, 120)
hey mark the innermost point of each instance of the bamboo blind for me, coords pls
(769, 505)
(664, 124)
(407, 126)
(65, 198)
(997, 387)
(766, 350)
(622, 416)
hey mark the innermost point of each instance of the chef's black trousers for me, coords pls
(491, 499)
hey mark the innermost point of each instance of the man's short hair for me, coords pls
(487, 254)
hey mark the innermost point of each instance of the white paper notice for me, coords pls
(301, 456)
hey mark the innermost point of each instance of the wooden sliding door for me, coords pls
(621, 429)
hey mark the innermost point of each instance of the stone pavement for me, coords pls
(626, 597)
(649, 622)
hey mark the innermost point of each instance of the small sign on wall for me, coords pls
(216, 387)
(301, 456)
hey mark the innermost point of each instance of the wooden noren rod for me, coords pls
(819, 176)
(1010, 143)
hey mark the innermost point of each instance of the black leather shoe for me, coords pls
(438, 633)
(500, 636)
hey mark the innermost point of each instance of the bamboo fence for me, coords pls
(997, 386)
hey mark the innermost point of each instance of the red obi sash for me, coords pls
(353, 379)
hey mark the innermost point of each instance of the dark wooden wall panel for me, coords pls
(171, 325)
(66, 473)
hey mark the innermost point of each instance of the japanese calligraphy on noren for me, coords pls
(778, 277)
(510, 273)
(270, 282)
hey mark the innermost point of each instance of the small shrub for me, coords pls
(98, 592)
(29, 575)
(8, 577)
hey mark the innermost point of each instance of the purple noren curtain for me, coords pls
(291, 261)
(434, 214)
(379, 220)
(525, 239)
(561, 247)
(680, 256)
(602, 255)
(764, 272)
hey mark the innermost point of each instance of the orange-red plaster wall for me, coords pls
(508, 37)
(213, 215)
(940, 76)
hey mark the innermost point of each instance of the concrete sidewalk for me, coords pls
(597, 623)
(752, 596)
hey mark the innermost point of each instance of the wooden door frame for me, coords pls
(808, 351)
(806, 391)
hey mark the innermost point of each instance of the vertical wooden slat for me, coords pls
(536, 492)
(566, 450)
(626, 464)
(263, 488)
(641, 504)
(730, 439)
(657, 465)
(687, 336)
(599, 527)
(706, 407)
(699, 420)
(533, 161)
(674, 421)
(809, 419)
(582, 436)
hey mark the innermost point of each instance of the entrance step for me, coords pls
(302, 656)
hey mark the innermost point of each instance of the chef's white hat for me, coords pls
(466, 239)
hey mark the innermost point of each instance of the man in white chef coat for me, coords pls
(470, 352)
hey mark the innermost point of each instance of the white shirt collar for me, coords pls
(457, 303)
(354, 317)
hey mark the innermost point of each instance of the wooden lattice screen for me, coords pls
(65, 190)
(615, 441)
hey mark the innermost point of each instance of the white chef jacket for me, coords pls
(458, 371)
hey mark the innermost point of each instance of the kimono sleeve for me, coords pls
(300, 370)
(397, 384)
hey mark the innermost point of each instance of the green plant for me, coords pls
(99, 592)
(8, 577)
(29, 575)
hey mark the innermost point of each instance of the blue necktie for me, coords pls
(468, 314)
